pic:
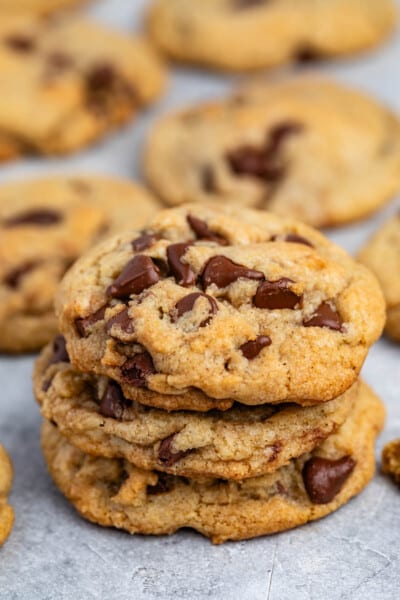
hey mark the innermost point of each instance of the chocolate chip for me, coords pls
(122, 321)
(84, 325)
(186, 304)
(103, 84)
(100, 77)
(13, 278)
(182, 272)
(324, 478)
(325, 316)
(162, 486)
(294, 238)
(307, 55)
(136, 370)
(143, 242)
(113, 402)
(139, 274)
(265, 163)
(252, 349)
(208, 179)
(280, 132)
(276, 295)
(203, 232)
(41, 218)
(20, 43)
(248, 160)
(166, 455)
(60, 353)
(222, 271)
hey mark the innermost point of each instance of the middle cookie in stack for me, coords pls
(205, 312)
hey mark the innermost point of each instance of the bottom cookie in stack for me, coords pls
(6, 512)
(114, 492)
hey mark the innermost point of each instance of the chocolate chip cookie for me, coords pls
(113, 492)
(67, 81)
(93, 414)
(391, 460)
(42, 7)
(45, 225)
(6, 512)
(227, 305)
(303, 147)
(238, 35)
(382, 255)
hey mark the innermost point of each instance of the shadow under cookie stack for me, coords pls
(206, 376)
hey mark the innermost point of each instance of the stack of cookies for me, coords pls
(207, 376)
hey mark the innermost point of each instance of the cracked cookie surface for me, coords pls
(382, 255)
(221, 304)
(67, 81)
(92, 413)
(248, 34)
(45, 225)
(304, 148)
(113, 492)
(6, 512)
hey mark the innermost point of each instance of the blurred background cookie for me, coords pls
(301, 147)
(45, 224)
(382, 255)
(67, 81)
(247, 34)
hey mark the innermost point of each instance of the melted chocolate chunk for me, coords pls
(20, 43)
(60, 353)
(276, 295)
(293, 238)
(42, 218)
(324, 478)
(265, 163)
(187, 303)
(248, 160)
(143, 242)
(103, 83)
(136, 370)
(84, 325)
(252, 349)
(182, 272)
(113, 402)
(13, 278)
(325, 316)
(139, 274)
(202, 231)
(122, 321)
(166, 455)
(207, 179)
(222, 272)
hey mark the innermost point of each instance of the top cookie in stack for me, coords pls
(210, 306)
